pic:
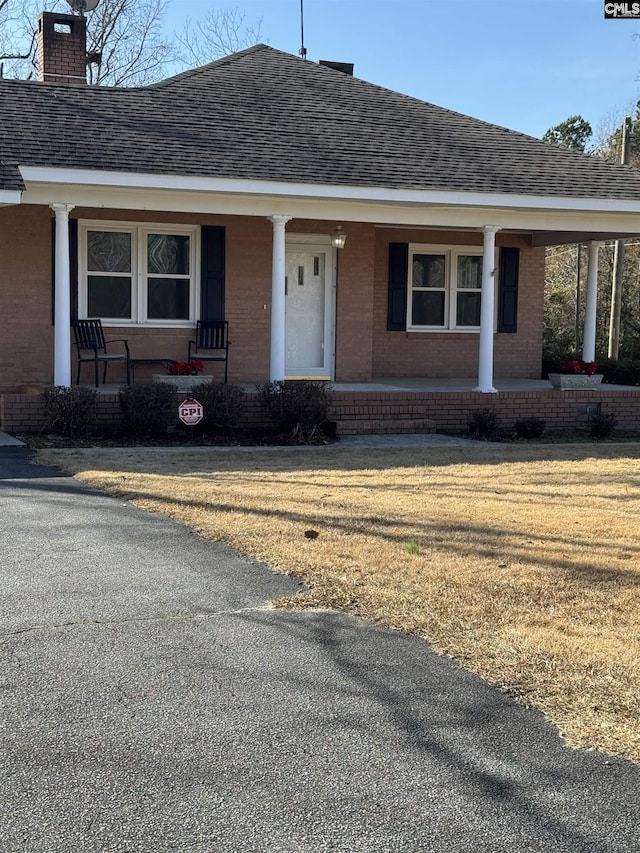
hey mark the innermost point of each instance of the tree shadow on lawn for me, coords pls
(463, 540)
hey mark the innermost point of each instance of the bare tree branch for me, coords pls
(219, 33)
(26, 55)
(126, 38)
(129, 37)
(127, 34)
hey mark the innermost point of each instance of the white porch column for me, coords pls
(62, 308)
(589, 337)
(276, 365)
(485, 360)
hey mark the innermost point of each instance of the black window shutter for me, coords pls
(212, 272)
(397, 302)
(73, 268)
(508, 299)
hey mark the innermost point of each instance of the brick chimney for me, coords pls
(62, 48)
(344, 67)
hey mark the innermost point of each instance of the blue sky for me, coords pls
(524, 64)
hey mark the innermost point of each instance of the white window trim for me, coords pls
(450, 252)
(139, 231)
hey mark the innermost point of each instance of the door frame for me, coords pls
(322, 242)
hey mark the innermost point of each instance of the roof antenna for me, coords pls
(79, 7)
(303, 49)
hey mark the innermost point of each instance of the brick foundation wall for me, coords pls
(22, 413)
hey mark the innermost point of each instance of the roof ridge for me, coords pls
(348, 78)
(189, 72)
(216, 63)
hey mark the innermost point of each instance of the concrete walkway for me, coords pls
(7, 440)
(396, 440)
(152, 701)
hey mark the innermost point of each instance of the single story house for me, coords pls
(225, 192)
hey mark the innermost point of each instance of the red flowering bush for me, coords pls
(576, 365)
(185, 368)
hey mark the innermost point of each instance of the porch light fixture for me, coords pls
(338, 238)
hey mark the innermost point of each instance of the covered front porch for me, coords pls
(422, 286)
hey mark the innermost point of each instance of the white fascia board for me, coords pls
(8, 197)
(385, 195)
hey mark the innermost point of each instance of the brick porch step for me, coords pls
(388, 426)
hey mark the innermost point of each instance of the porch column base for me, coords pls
(488, 390)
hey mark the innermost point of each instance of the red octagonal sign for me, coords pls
(190, 412)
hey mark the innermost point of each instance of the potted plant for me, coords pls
(184, 375)
(576, 374)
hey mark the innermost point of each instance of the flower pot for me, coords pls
(182, 384)
(574, 381)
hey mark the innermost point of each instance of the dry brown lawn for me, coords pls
(523, 563)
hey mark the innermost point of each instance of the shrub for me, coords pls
(529, 427)
(620, 372)
(602, 424)
(70, 411)
(483, 424)
(298, 408)
(148, 409)
(222, 405)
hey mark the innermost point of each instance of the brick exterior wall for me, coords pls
(455, 354)
(26, 343)
(354, 314)
(364, 349)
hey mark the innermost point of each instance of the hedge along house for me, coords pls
(218, 194)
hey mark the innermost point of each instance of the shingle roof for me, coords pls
(10, 177)
(266, 115)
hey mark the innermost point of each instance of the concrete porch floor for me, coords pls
(433, 384)
(419, 384)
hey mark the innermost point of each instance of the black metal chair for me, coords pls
(92, 347)
(211, 343)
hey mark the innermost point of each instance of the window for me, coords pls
(444, 287)
(138, 273)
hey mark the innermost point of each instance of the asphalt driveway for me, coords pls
(150, 700)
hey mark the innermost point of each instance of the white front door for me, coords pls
(309, 312)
